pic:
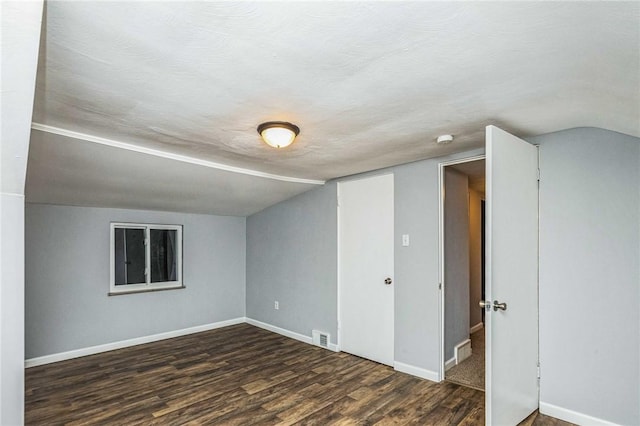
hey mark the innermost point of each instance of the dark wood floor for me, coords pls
(241, 375)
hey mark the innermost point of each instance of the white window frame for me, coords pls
(148, 285)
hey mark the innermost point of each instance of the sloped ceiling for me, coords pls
(475, 171)
(371, 84)
(70, 171)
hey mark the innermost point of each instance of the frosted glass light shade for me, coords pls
(278, 134)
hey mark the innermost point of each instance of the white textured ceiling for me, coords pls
(371, 84)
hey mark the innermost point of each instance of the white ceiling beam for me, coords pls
(183, 158)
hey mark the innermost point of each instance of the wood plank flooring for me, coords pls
(242, 375)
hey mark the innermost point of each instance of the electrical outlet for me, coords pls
(276, 305)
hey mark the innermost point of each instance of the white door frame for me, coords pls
(441, 276)
(339, 263)
(338, 272)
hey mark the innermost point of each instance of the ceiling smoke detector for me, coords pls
(444, 139)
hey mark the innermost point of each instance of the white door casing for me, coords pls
(511, 278)
(365, 259)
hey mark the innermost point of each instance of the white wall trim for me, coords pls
(338, 268)
(458, 353)
(398, 366)
(478, 326)
(288, 333)
(449, 363)
(76, 353)
(150, 151)
(572, 416)
(63, 356)
(282, 331)
(423, 373)
(12, 194)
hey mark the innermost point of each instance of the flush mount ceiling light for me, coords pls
(278, 134)
(444, 139)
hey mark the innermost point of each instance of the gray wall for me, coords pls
(291, 251)
(475, 258)
(589, 273)
(417, 303)
(589, 268)
(67, 278)
(291, 258)
(456, 260)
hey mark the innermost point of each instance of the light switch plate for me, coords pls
(405, 240)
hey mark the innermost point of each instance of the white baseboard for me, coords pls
(398, 366)
(416, 371)
(288, 333)
(76, 353)
(62, 356)
(462, 351)
(572, 416)
(282, 331)
(450, 363)
(478, 326)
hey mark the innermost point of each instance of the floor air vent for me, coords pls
(320, 338)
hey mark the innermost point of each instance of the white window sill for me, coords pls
(120, 293)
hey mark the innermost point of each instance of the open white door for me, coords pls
(365, 224)
(511, 278)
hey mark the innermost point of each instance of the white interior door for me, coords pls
(511, 278)
(366, 232)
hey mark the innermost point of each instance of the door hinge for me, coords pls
(538, 174)
(439, 286)
(538, 371)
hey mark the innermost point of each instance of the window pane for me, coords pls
(163, 255)
(129, 256)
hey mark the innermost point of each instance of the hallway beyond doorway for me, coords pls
(470, 372)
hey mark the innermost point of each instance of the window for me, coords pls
(145, 257)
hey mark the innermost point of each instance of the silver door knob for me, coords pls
(497, 306)
(388, 281)
(485, 304)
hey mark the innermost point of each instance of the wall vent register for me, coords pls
(320, 338)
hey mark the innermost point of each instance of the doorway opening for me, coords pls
(462, 271)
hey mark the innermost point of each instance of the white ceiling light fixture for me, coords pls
(278, 134)
(444, 139)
